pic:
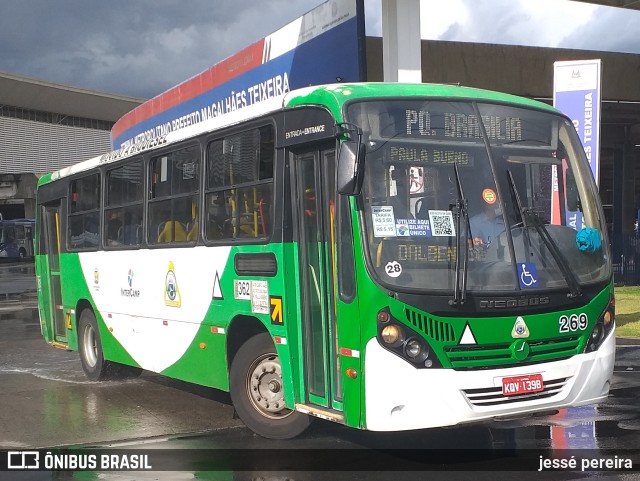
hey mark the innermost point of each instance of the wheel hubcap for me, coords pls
(264, 387)
(90, 346)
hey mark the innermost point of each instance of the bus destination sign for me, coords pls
(427, 155)
(460, 126)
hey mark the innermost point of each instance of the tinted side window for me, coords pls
(123, 205)
(84, 213)
(173, 200)
(240, 185)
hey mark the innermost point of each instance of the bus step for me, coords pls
(60, 345)
(324, 413)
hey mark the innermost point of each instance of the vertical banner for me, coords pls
(576, 93)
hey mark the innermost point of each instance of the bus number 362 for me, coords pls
(574, 322)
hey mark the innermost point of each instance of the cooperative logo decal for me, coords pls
(171, 291)
(520, 329)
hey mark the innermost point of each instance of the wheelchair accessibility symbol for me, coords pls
(527, 275)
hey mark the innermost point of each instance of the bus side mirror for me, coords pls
(350, 167)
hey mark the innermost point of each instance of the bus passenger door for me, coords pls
(49, 243)
(314, 206)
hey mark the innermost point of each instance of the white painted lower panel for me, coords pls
(400, 397)
(129, 288)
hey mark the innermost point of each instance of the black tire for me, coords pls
(122, 371)
(258, 395)
(92, 359)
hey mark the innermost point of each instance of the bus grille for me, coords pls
(493, 396)
(485, 357)
(438, 330)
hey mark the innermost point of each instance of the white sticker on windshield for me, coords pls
(384, 222)
(393, 269)
(442, 223)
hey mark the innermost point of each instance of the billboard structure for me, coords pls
(326, 45)
(576, 92)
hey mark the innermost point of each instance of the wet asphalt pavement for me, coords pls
(46, 402)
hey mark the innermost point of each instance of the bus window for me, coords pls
(240, 185)
(123, 205)
(84, 210)
(175, 182)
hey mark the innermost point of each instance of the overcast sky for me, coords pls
(140, 48)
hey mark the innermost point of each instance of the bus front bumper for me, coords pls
(400, 397)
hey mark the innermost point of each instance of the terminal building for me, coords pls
(45, 127)
(48, 126)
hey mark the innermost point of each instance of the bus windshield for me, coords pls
(500, 195)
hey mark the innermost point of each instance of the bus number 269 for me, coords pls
(575, 322)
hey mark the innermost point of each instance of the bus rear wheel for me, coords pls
(94, 365)
(257, 391)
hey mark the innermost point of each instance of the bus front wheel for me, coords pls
(257, 391)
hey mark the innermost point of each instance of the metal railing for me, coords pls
(626, 265)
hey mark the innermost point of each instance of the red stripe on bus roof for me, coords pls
(229, 68)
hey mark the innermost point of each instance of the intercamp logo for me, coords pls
(23, 460)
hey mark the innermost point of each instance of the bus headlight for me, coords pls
(418, 352)
(390, 334)
(404, 342)
(596, 335)
(413, 348)
(602, 328)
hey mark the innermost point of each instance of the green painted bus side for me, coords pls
(348, 325)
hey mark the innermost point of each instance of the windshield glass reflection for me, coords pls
(421, 155)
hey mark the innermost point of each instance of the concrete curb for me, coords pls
(627, 341)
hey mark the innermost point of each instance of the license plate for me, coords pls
(512, 386)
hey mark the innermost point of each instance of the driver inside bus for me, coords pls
(487, 225)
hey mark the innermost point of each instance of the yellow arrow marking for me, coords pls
(276, 310)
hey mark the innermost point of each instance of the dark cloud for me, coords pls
(137, 48)
(141, 48)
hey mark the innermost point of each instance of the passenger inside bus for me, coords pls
(218, 219)
(114, 229)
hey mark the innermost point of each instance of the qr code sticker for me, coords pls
(442, 223)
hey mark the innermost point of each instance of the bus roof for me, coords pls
(332, 96)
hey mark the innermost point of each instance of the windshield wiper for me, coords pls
(461, 213)
(531, 218)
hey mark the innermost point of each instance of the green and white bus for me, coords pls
(385, 256)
